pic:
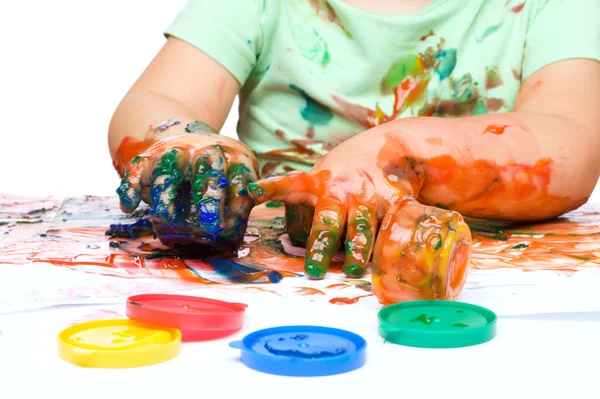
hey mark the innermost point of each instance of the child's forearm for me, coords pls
(136, 125)
(513, 166)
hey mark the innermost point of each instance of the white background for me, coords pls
(64, 67)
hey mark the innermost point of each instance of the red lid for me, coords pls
(197, 318)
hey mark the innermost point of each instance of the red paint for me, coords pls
(309, 291)
(517, 9)
(495, 129)
(431, 33)
(347, 301)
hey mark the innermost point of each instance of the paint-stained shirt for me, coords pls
(316, 72)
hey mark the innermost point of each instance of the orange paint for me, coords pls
(261, 290)
(479, 188)
(347, 301)
(129, 149)
(421, 253)
(340, 286)
(308, 291)
(495, 129)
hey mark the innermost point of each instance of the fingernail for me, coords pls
(255, 189)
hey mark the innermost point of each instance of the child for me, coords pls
(484, 107)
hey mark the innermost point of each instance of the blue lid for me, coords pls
(302, 351)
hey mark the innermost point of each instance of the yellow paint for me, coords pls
(120, 343)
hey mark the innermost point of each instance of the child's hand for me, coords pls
(424, 249)
(195, 185)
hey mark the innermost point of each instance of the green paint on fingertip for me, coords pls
(353, 270)
(255, 189)
(274, 204)
(314, 270)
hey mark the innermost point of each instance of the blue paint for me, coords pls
(302, 350)
(313, 112)
(447, 59)
(141, 228)
(306, 346)
(209, 216)
(238, 273)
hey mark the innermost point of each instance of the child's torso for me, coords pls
(328, 71)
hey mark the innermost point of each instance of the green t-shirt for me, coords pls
(316, 72)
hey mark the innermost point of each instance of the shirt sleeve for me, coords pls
(228, 31)
(560, 30)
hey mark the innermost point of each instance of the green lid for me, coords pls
(436, 324)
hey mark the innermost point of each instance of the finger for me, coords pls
(360, 238)
(132, 183)
(209, 181)
(324, 239)
(239, 204)
(168, 174)
(291, 188)
(298, 222)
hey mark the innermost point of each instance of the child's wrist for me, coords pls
(172, 127)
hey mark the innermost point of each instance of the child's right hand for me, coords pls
(195, 185)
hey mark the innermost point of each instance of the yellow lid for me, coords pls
(119, 343)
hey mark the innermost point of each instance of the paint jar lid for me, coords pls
(119, 343)
(197, 318)
(436, 324)
(305, 351)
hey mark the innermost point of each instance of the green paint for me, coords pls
(256, 190)
(459, 325)
(311, 45)
(262, 72)
(400, 70)
(352, 270)
(520, 246)
(168, 171)
(135, 303)
(274, 204)
(313, 112)
(438, 245)
(322, 248)
(425, 319)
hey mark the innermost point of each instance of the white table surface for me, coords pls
(533, 356)
(547, 343)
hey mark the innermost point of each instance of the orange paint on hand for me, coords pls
(129, 149)
(495, 129)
